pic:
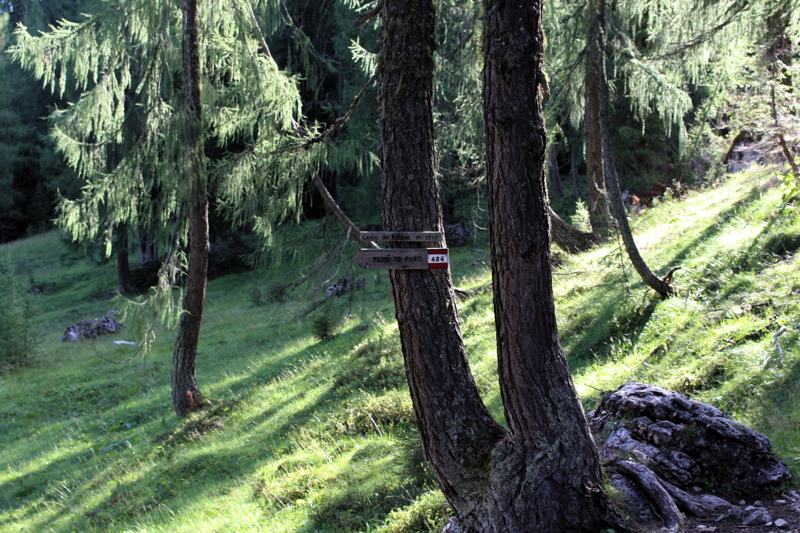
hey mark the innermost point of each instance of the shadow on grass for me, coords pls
(621, 317)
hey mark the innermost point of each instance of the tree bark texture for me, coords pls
(546, 475)
(597, 203)
(661, 286)
(186, 395)
(456, 429)
(568, 237)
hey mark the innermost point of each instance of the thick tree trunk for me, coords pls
(661, 286)
(186, 396)
(546, 474)
(596, 199)
(124, 280)
(456, 429)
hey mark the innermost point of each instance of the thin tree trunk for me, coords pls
(787, 154)
(596, 199)
(552, 167)
(186, 395)
(546, 474)
(573, 169)
(661, 286)
(148, 250)
(124, 278)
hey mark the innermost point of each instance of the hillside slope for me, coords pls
(311, 435)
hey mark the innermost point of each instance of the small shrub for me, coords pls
(262, 295)
(17, 341)
(324, 326)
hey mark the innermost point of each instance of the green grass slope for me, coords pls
(307, 435)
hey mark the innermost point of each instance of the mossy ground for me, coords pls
(309, 435)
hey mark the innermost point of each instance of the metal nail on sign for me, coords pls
(403, 258)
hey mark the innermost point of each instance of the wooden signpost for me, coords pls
(402, 236)
(403, 258)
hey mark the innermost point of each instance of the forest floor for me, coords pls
(783, 508)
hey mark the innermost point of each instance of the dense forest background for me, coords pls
(695, 89)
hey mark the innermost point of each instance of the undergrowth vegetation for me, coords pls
(311, 427)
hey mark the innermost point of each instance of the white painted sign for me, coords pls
(402, 236)
(403, 258)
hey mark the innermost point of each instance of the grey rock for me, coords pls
(781, 523)
(687, 441)
(452, 526)
(91, 329)
(759, 517)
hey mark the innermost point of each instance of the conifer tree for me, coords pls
(126, 60)
(673, 48)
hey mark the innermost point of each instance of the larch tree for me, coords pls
(542, 473)
(138, 66)
(655, 52)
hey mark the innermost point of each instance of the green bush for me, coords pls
(17, 341)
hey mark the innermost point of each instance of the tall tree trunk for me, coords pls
(547, 474)
(660, 285)
(456, 429)
(597, 201)
(124, 278)
(542, 474)
(186, 395)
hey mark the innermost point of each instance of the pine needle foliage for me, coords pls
(124, 134)
(660, 51)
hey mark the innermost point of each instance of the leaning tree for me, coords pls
(542, 473)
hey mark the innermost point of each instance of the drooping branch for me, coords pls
(787, 154)
(566, 236)
(658, 284)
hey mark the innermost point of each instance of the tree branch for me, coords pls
(331, 204)
(338, 123)
(367, 16)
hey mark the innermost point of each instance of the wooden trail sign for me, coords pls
(403, 258)
(402, 236)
